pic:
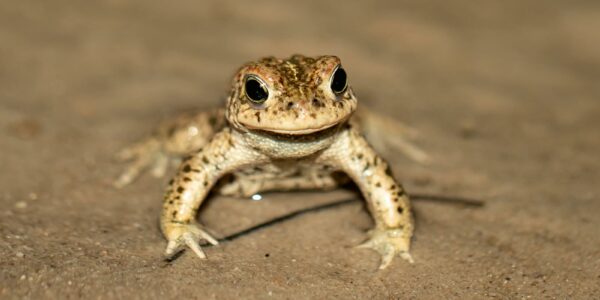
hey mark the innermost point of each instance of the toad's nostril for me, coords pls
(290, 105)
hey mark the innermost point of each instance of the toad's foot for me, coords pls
(145, 154)
(182, 235)
(388, 242)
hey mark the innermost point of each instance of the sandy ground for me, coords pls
(505, 96)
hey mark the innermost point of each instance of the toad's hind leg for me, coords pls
(388, 136)
(172, 140)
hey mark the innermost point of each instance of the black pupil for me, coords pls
(255, 91)
(338, 83)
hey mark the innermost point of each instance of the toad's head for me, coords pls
(295, 96)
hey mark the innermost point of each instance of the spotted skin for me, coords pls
(303, 136)
(387, 201)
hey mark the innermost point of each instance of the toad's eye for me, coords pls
(256, 90)
(338, 81)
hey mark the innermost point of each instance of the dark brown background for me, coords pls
(504, 93)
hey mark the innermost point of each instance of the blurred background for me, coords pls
(504, 95)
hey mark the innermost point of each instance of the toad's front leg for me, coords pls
(196, 175)
(388, 203)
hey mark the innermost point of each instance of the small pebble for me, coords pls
(20, 254)
(468, 130)
(21, 205)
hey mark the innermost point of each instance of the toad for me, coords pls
(288, 124)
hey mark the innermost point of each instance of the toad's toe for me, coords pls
(186, 235)
(388, 243)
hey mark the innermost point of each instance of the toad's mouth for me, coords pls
(325, 129)
(301, 131)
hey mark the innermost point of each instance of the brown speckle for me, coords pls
(388, 171)
(187, 168)
(367, 166)
(180, 189)
(257, 114)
